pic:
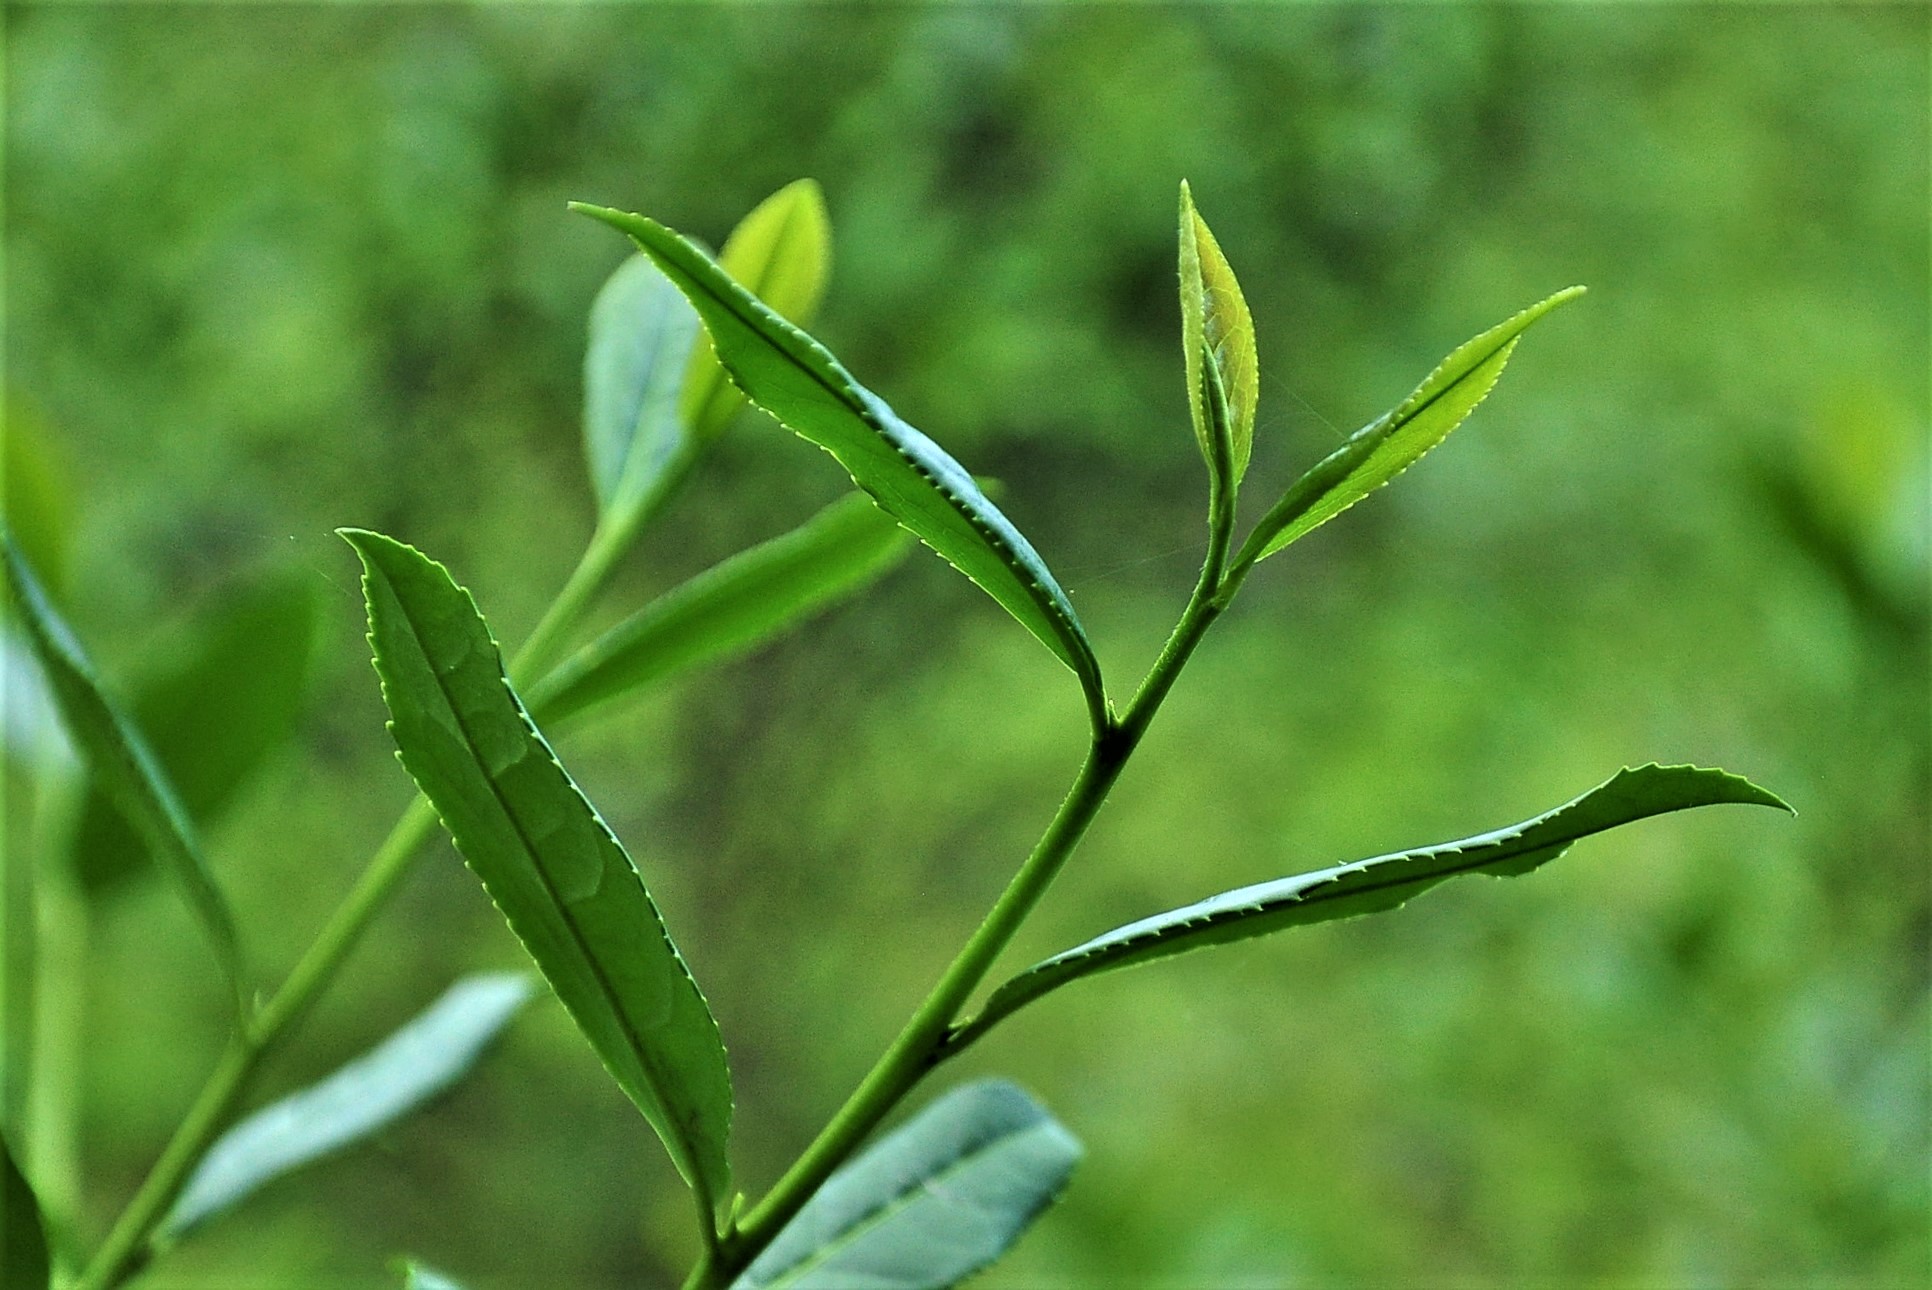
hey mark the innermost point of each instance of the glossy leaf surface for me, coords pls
(548, 860)
(424, 1058)
(781, 253)
(122, 763)
(929, 1205)
(799, 382)
(23, 1240)
(1382, 883)
(1390, 444)
(729, 608)
(1216, 327)
(211, 713)
(642, 334)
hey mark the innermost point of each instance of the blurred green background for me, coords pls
(273, 270)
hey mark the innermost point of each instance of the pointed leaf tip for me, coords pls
(564, 883)
(1394, 441)
(796, 379)
(1216, 327)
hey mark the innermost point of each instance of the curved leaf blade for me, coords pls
(212, 714)
(929, 1205)
(782, 253)
(642, 336)
(425, 1057)
(1394, 441)
(799, 382)
(123, 764)
(23, 1238)
(1374, 885)
(564, 883)
(730, 607)
(1216, 327)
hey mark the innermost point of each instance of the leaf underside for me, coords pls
(1393, 442)
(929, 1205)
(729, 608)
(123, 764)
(642, 333)
(556, 871)
(1371, 886)
(798, 381)
(420, 1060)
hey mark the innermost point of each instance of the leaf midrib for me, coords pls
(543, 875)
(845, 395)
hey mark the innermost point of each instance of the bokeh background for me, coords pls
(273, 270)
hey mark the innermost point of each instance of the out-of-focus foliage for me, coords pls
(273, 271)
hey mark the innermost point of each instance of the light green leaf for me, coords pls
(123, 765)
(213, 710)
(1371, 886)
(729, 608)
(23, 1240)
(551, 864)
(929, 1205)
(1216, 327)
(781, 253)
(1390, 444)
(642, 335)
(424, 1058)
(797, 380)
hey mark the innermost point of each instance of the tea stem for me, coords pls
(921, 1044)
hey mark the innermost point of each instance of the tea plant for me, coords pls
(952, 1188)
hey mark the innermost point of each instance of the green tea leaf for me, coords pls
(929, 1205)
(729, 608)
(1216, 327)
(563, 881)
(1390, 444)
(781, 253)
(799, 382)
(642, 336)
(23, 1240)
(123, 765)
(212, 712)
(422, 1059)
(1371, 886)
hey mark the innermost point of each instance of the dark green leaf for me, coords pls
(798, 381)
(23, 1241)
(1370, 886)
(1390, 444)
(561, 878)
(425, 1057)
(122, 763)
(782, 253)
(1216, 327)
(929, 1205)
(212, 711)
(731, 607)
(642, 334)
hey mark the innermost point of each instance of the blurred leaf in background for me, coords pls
(1693, 1055)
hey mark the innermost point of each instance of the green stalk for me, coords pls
(130, 1243)
(922, 1043)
